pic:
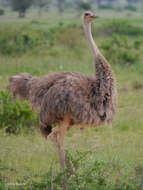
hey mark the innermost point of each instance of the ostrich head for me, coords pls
(19, 85)
(89, 16)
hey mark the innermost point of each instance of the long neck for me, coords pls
(101, 65)
(87, 29)
(104, 90)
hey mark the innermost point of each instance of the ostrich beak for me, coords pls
(94, 16)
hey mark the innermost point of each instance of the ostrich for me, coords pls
(71, 99)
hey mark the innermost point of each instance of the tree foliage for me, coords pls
(60, 5)
(2, 12)
(21, 6)
(132, 1)
(42, 4)
(84, 5)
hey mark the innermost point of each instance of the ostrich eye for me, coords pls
(87, 14)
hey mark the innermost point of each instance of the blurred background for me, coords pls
(38, 8)
(46, 36)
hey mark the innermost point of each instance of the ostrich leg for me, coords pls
(57, 136)
(61, 151)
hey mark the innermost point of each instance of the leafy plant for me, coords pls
(130, 8)
(20, 40)
(119, 50)
(108, 6)
(62, 36)
(120, 27)
(89, 174)
(83, 5)
(15, 116)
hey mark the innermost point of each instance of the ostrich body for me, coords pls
(72, 99)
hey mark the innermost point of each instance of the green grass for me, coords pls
(29, 157)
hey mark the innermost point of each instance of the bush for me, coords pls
(120, 50)
(84, 5)
(2, 11)
(15, 116)
(130, 8)
(106, 7)
(90, 174)
(120, 27)
(137, 44)
(59, 35)
(18, 41)
(62, 36)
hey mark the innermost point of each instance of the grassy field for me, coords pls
(27, 159)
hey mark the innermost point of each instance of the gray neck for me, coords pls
(87, 29)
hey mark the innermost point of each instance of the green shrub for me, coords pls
(15, 116)
(130, 8)
(121, 27)
(120, 50)
(2, 185)
(2, 11)
(137, 44)
(83, 5)
(108, 6)
(90, 174)
(62, 37)
(18, 41)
